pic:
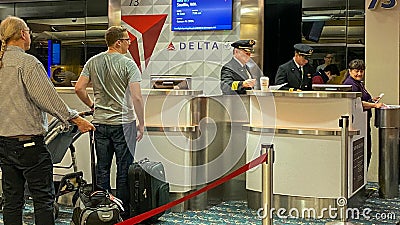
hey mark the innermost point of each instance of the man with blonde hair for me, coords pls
(27, 95)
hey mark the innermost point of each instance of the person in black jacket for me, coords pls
(236, 76)
(296, 72)
(325, 75)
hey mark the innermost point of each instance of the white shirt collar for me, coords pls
(298, 66)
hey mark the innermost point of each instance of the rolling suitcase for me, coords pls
(148, 187)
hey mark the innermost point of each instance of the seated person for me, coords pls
(339, 79)
(328, 59)
(325, 75)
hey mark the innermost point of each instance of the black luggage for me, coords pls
(95, 206)
(148, 187)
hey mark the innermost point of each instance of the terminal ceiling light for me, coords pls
(316, 18)
(54, 29)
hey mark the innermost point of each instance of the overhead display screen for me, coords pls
(195, 15)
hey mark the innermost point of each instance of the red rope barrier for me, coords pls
(148, 214)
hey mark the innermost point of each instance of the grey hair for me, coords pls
(10, 29)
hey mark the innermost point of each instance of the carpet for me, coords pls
(378, 212)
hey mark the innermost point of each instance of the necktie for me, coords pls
(302, 72)
(247, 72)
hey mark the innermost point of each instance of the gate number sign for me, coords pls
(386, 4)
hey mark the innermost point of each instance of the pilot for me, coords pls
(297, 73)
(237, 75)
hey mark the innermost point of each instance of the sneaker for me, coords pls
(370, 191)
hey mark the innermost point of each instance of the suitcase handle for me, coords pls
(93, 161)
(144, 160)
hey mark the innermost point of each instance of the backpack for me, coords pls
(96, 208)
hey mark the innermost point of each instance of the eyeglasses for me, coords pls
(124, 39)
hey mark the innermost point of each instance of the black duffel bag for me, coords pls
(96, 208)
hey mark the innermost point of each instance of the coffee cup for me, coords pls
(264, 83)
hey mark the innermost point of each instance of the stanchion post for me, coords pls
(345, 163)
(267, 183)
(344, 124)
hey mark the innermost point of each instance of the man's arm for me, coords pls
(226, 80)
(281, 78)
(80, 90)
(46, 97)
(229, 85)
(137, 100)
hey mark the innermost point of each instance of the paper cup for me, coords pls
(264, 83)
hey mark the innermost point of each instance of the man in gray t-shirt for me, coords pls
(117, 97)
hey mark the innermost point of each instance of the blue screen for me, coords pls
(56, 53)
(194, 15)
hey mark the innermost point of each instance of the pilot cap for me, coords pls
(303, 49)
(246, 45)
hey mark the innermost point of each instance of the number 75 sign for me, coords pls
(386, 4)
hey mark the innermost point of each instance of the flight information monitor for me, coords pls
(196, 15)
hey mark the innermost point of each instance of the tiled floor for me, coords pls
(376, 211)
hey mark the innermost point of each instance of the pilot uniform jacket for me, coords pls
(232, 76)
(289, 73)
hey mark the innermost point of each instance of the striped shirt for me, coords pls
(27, 94)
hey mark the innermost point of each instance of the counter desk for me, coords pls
(170, 126)
(202, 138)
(304, 129)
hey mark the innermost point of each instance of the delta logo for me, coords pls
(149, 26)
(194, 45)
(171, 47)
